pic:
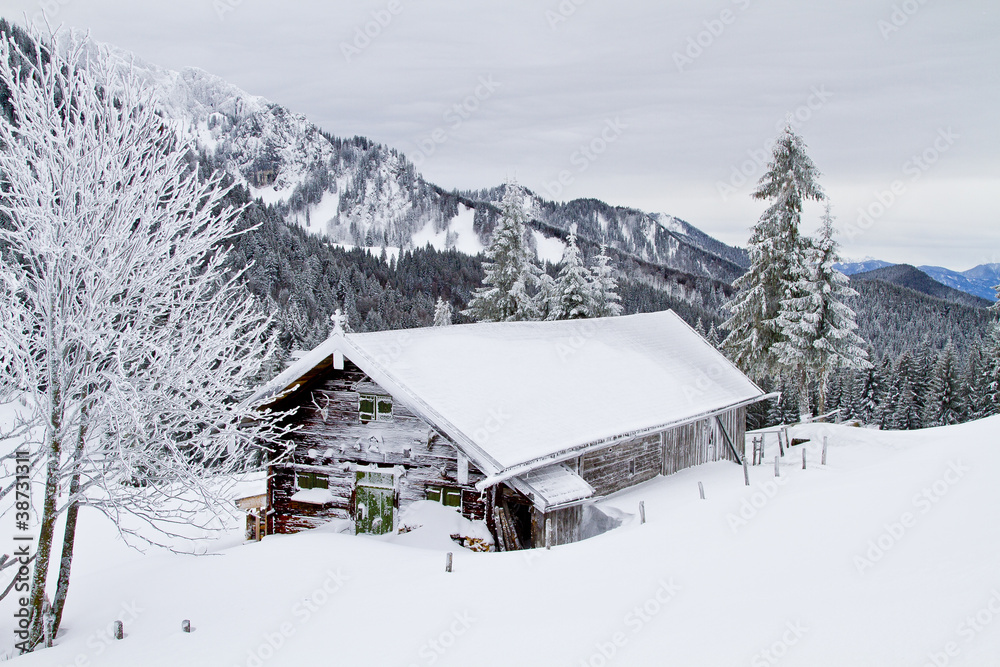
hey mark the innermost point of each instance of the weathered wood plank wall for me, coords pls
(331, 434)
(561, 526)
(702, 441)
(607, 470)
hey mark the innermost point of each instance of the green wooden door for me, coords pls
(374, 500)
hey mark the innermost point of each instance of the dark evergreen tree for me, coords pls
(944, 405)
(974, 386)
(869, 393)
(906, 415)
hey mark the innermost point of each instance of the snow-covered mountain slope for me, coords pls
(885, 556)
(985, 273)
(867, 264)
(979, 281)
(359, 192)
(913, 278)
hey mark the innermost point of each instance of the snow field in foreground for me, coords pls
(886, 556)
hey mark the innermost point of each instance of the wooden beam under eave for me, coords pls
(729, 441)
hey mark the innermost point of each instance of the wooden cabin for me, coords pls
(518, 424)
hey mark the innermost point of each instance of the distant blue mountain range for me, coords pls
(850, 268)
(979, 280)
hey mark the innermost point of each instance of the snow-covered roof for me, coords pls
(521, 395)
(552, 486)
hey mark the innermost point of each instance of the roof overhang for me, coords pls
(552, 487)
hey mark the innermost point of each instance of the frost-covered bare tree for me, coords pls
(120, 324)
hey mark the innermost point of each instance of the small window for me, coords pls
(367, 408)
(311, 480)
(452, 498)
(631, 467)
(446, 495)
(375, 408)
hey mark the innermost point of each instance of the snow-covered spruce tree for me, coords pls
(442, 313)
(512, 277)
(774, 414)
(944, 405)
(885, 402)
(924, 359)
(777, 255)
(870, 388)
(975, 385)
(547, 298)
(991, 362)
(120, 324)
(990, 381)
(574, 293)
(906, 416)
(607, 302)
(713, 336)
(818, 328)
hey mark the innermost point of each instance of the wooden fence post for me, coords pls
(777, 473)
(447, 562)
(746, 472)
(642, 511)
(781, 450)
(824, 449)
(803, 458)
(701, 490)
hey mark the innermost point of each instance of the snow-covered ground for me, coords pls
(886, 556)
(459, 234)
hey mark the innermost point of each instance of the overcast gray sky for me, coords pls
(660, 105)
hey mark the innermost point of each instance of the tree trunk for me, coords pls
(804, 396)
(821, 390)
(66, 560)
(45, 534)
(69, 534)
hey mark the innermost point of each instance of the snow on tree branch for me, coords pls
(120, 321)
